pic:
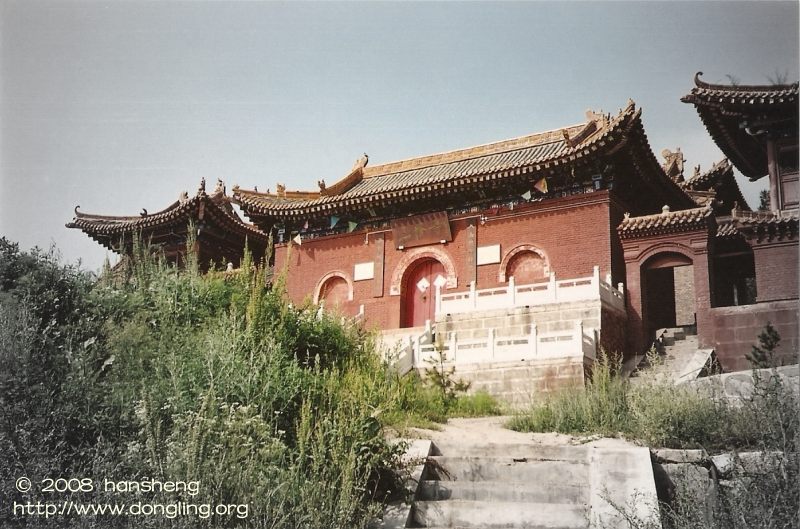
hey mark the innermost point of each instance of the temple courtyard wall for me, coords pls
(572, 234)
(735, 330)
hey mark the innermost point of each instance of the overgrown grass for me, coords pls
(765, 493)
(662, 414)
(173, 375)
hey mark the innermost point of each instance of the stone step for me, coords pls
(499, 451)
(494, 514)
(445, 468)
(508, 491)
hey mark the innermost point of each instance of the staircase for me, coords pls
(529, 486)
(678, 357)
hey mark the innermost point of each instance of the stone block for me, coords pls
(739, 385)
(692, 481)
(670, 455)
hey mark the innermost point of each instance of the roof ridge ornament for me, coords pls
(698, 83)
(202, 189)
(220, 187)
(183, 198)
(360, 163)
(673, 164)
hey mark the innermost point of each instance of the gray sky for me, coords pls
(119, 106)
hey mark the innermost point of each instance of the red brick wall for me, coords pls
(617, 212)
(573, 232)
(776, 271)
(736, 330)
(612, 335)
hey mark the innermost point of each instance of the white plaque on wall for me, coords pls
(364, 271)
(488, 254)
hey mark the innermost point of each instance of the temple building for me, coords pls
(521, 259)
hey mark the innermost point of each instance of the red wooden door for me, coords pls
(420, 293)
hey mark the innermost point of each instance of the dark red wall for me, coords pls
(575, 234)
(736, 330)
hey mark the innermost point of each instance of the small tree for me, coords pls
(761, 355)
(443, 378)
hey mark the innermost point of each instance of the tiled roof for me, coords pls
(740, 94)
(665, 222)
(726, 228)
(441, 175)
(705, 181)
(215, 206)
(734, 114)
(721, 181)
(763, 225)
(403, 178)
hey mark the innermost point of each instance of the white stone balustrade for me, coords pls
(576, 342)
(513, 295)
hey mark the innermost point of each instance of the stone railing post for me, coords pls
(453, 346)
(472, 294)
(553, 287)
(512, 292)
(533, 341)
(491, 343)
(579, 334)
(596, 277)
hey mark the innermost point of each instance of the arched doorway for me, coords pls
(419, 292)
(334, 292)
(527, 267)
(668, 295)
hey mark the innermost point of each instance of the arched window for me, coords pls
(335, 288)
(526, 263)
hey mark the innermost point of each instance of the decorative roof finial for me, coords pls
(281, 190)
(143, 213)
(321, 184)
(220, 187)
(627, 215)
(673, 164)
(697, 81)
(361, 162)
(665, 210)
(565, 134)
(183, 198)
(202, 188)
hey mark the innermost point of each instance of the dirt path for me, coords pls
(484, 430)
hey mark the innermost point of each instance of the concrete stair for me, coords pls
(678, 358)
(526, 486)
(508, 486)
